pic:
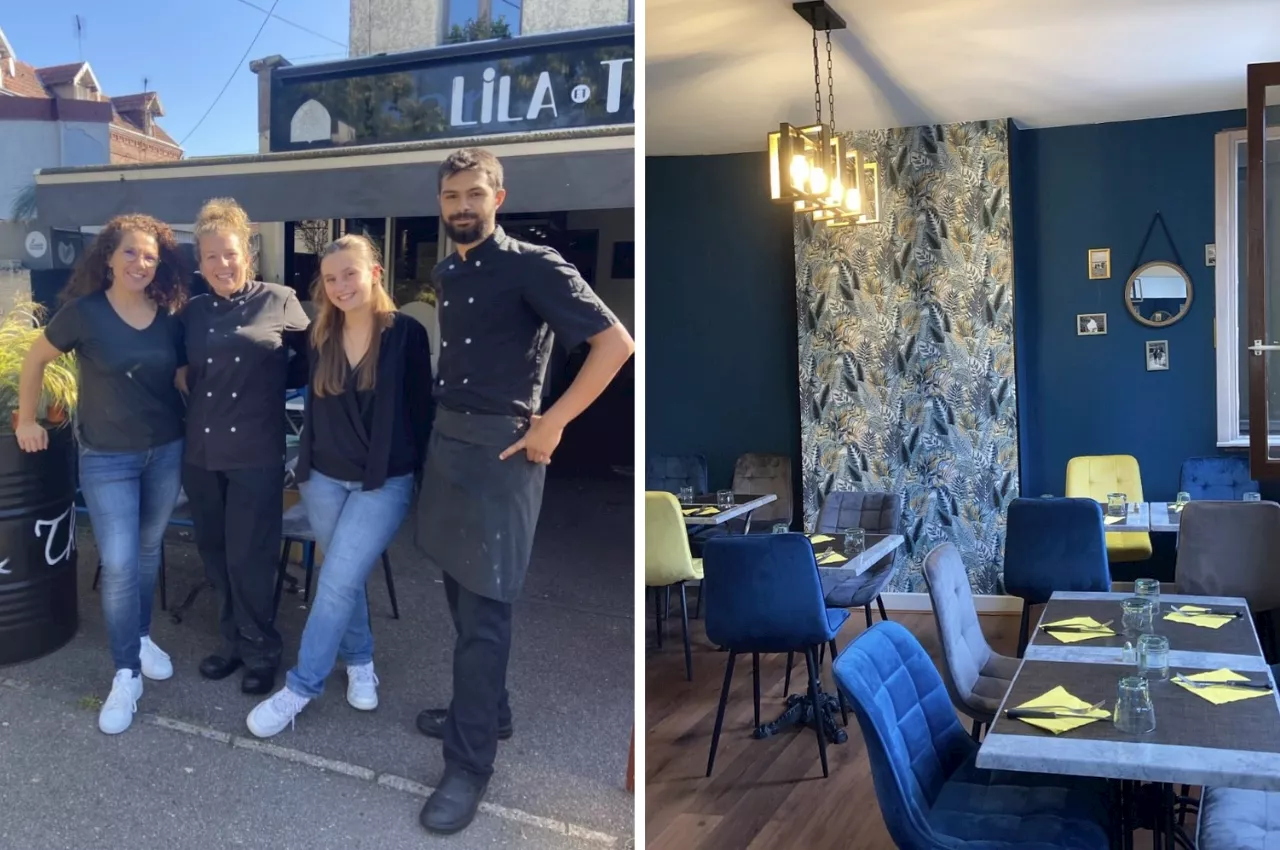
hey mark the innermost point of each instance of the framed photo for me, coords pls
(1211, 255)
(1157, 355)
(1099, 263)
(1091, 324)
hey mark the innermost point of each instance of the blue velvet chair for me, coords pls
(671, 472)
(764, 595)
(1221, 478)
(1053, 544)
(922, 762)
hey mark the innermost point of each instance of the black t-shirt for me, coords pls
(500, 310)
(239, 350)
(128, 401)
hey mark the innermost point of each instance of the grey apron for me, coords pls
(477, 514)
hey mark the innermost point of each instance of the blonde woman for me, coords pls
(239, 339)
(363, 445)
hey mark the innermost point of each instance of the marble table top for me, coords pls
(878, 545)
(1170, 754)
(1138, 519)
(744, 504)
(1163, 519)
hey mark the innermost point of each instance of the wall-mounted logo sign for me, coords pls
(66, 253)
(37, 245)
(509, 86)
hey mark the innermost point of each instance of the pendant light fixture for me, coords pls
(809, 167)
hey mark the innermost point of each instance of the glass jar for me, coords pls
(724, 499)
(855, 542)
(1116, 506)
(1137, 615)
(1134, 712)
(686, 496)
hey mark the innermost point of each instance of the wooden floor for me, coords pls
(769, 793)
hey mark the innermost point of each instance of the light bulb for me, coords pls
(836, 195)
(853, 200)
(818, 180)
(799, 171)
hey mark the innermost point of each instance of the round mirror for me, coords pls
(1158, 294)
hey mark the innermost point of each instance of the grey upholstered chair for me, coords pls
(1229, 549)
(874, 513)
(760, 474)
(977, 678)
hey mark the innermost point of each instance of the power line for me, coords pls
(227, 84)
(292, 24)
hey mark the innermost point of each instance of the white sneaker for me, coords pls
(117, 712)
(276, 712)
(156, 664)
(362, 686)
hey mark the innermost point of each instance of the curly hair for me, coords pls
(225, 216)
(168, 289)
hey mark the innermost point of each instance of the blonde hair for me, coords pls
(326, 331)
(225, 216)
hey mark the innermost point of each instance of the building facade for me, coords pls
(391, 26)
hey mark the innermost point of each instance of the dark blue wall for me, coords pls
(720, 317)
(1098, 186)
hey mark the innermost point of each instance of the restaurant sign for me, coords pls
(509, 86)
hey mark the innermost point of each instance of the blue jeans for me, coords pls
(130, 497)
(354, 528)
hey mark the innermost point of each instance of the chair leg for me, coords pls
(164, 581)
(786, 682)
(844, 707)
(666, 607)
(812, 659)
(286, 547)
(822, 651)
(868, 609)
(391, 586)
(1024, 627)
(724, 697)
(657, 616)
(697, 608)
(755, 685)
(976, 731)
(684, 622)
(309, 564)
(97, 575)
(884, 615)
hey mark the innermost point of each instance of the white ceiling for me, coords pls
(721, 73)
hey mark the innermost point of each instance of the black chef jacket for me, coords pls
(500, 310)
(238, 352)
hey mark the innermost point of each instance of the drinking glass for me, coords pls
(1253, 497)
(1134, 711)
(1153, 656)
(855, 542)
(724, 498)
(1148, 588)
(1138, 613)
(781, 528)
(1183, 498)
(1116, 504)
(686, 495)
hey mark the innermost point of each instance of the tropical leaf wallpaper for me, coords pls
(906, 346)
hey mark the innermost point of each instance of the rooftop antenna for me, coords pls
(80, 36)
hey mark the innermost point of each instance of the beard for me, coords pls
(464, 231)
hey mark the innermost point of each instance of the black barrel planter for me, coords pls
(39, 611)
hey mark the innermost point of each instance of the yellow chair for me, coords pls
(667, 560)
(1096, 476)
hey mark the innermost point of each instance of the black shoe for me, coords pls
(259, 681)
(217, 667)
(453, 805)
(431, 723)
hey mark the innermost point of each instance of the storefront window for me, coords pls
(304, 240)
(474, 20)
(415, 246)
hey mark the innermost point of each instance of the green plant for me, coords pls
(20, 327)
(481, 30)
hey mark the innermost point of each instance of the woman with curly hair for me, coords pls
(239, 338)
(117, 316)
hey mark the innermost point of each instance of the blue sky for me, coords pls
(185, 49)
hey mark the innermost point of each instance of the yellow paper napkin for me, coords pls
(1219, 696)
(819, 538)
(1076, 637)
(1112, 520)
(832, 557)
(1060, 698)
(1208, 621)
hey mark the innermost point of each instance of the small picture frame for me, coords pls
(1091, 324)
(1211, 254)
(1099, 264)
(1157, 355)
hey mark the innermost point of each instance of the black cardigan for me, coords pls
(404, 366)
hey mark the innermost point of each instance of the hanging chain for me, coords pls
(831, 92)
(817, 81)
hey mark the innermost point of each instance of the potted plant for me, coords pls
(37, 501)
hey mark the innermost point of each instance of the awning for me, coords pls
(543, 175)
